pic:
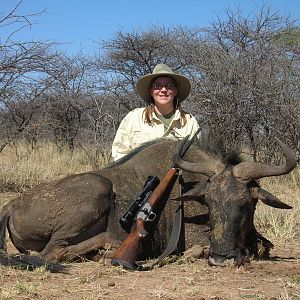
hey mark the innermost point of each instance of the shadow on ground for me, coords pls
(31, 263)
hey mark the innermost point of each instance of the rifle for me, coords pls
(126, 254)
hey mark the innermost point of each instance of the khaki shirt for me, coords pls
(134, 131)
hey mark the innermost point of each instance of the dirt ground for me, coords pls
(278, 278)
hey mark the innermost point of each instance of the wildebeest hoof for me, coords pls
(220, 262)
(59, 254)
(100, 255)
(195, 252)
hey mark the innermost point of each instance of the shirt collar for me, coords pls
(175, 118)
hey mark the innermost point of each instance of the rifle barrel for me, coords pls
(161, 188)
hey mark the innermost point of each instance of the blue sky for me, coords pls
(79, 23)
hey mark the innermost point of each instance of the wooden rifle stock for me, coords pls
(127, 253)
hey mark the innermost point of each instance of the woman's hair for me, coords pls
(149, 110)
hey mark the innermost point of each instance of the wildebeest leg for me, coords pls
(100, 241)
(68, 253)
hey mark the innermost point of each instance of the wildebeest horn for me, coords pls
(268, 199)
(249, 170)
(208, 166)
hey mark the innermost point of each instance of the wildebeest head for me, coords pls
(231, 193)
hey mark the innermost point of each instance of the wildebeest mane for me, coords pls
(210, 144)
(215, 145)
(134, 152)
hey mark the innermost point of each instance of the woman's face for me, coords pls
(163, 91)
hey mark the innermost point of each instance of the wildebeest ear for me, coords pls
(196, 198)
(195, 194)
(268, 199)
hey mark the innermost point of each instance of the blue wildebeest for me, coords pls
(78, 214)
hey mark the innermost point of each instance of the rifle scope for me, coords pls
(127, 219)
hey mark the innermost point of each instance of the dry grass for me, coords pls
(280, 224)
(21, 167)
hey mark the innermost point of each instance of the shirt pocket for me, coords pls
(140, 137)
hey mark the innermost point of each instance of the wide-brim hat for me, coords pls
(182, 83)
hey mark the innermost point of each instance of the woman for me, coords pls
(163, 91)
